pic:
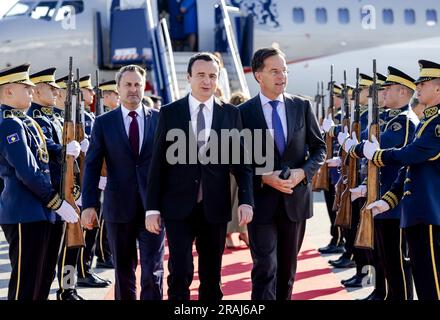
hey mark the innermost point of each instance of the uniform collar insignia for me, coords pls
(431, 111)
(47, 111)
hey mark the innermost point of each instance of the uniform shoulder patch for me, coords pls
(437, 131)
(396, 126)
(12, 138)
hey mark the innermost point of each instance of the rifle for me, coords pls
(322, 181)
(74, 234)
(99, 111)
(344, 218)
(79, 126)
(365, 232)
(98, 96)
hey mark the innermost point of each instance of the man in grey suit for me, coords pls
(281, 206)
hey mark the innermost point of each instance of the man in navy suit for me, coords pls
(282, 206)
(124, 139)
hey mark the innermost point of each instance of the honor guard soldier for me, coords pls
(336, 244)
(86, 276)
(390, 246)
(104, 257)
(85, 83)
(415, 189)
(41, 110)
(29, 200)
(110, 95)
(58, 109)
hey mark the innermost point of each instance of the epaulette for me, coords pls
(37, 114)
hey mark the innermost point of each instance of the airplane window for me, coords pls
(344, 16)
(410, 16)
(19, 9)
(298, 15)
(321, 15)
(431, 17)
(69, 7)
(44, 10)
(388, 16)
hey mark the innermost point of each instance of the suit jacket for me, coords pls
(173, 188)
(126, 174)
(305, 149)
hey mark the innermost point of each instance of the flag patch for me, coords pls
(12, 138)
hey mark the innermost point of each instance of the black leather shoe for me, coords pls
(69, 294)
(107, 264)
(349, 279)
(331, 248)
(356, 282)
(106, 280)
(343, 263)
(92, 281)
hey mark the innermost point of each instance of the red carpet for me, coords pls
(314, 278)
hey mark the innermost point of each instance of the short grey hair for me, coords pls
(130, 68)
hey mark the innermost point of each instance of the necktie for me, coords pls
(200, 126)
(200, 142)
(133, 133)
(277, 126)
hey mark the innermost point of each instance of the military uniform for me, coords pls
(28, 199)
(414, 191)
(390, 246)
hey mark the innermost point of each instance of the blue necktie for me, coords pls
(277, 126)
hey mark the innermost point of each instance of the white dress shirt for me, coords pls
(208, 111)
(140, 119)
(267, 111)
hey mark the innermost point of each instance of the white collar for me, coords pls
(126, 111)
(264, 100)
(194, 103)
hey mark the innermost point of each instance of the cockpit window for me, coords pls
(44, 10)
(69, 8)
(21, 8)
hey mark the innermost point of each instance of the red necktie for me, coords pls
(133, 133)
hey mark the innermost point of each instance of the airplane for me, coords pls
(313, 34)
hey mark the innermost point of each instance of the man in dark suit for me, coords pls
(124, 139)
(192, 196)
(281, 206)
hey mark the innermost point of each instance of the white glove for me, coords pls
(334, 162)
(73, 149)
(327, 123)
(342, 136)
(371, 147)
(102, 183)
(350, 142)
(378, 207)
(85, 145)
(358, 192)
(78, 202)
(67, 212)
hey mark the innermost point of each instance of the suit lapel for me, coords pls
(147, 125)
(121, 128)
(217, 118)
(290, 116)
(260, 121)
